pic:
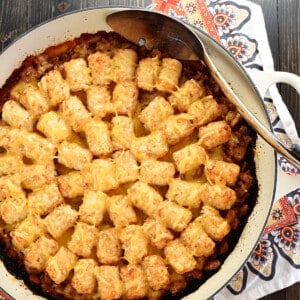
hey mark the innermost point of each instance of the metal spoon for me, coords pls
(156, 30)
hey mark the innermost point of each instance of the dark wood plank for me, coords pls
(289, 32)
(282, 24)
(10, 30)
(283, 29)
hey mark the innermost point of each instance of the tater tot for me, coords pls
(100, 175)
(77, 74)
(84, 279)
(98, 99)
(188, 92)
(124, 63)
(73, 156)
(40, 252)
(122, 132)
(221, 172)
(127, 169)
(35, 102)
(71, 184)
(151, 146)
(147, 73)
(135, 281)
(110, 285)
(36, 176)
(176, 127)
(140, 191)
(212, 222)
(26, 232)
(75, 113)
(60, 265)
(218, 196)
(83, 239)
(189, 158)
(174, 216)
(169, 75)
(155, 113)
(60, 220)
(157, 233)
(204, 110)
(121, 211)
(156, 272)
(43, 200)
(156, 172)
(184, 193)
(54, 127)
(179, 257)
(98, 137)
(100, 65)
(214, 134)
(134, 243)
(17, 116)
(14, 209)
(55, 87)
(109, 249)
(93, 207)
(125, 98)
(197, 241)
(35, 147)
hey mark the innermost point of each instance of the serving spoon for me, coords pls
(175, 38)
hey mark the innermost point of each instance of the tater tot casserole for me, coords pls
(124, 173)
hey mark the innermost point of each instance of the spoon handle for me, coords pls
(291, 153)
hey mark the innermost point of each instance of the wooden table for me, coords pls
(282, 23)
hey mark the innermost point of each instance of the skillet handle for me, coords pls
(264, 79)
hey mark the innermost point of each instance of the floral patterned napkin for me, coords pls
(239, 26)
